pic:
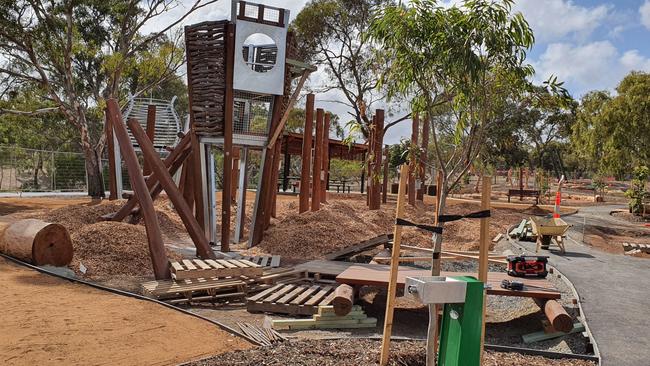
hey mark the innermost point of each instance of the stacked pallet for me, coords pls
(201, 289)
(327, 319)
(219, 268)
(272, 261)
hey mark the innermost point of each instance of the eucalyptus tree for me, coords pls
(469, 57)
(77, 53)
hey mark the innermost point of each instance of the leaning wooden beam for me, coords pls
(151, 181)
(151, 133)
(394, 264)
(112, 180)
(318, 161)
(285, 117)
(167, 182)
(140, 190)
(305, 162)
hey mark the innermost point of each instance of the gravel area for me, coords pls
(356, 352)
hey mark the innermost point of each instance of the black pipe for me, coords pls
(133, 295)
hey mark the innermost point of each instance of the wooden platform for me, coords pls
(220, 268)
(291, 299)
(324, 269)
(378, 274)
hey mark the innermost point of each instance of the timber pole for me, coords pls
(112, 179)
(141, 192)
(414, 142)
(226, 197)
(318, 161)
(484, 249)
(306, 155)
(394, 267)
(384, 186)
(326, 158)
(423, 158)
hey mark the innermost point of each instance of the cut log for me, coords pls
(556, 314)
(37, 242)
(343, 300)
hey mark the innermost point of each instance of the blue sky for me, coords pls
(588, 44)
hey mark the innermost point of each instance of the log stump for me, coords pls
(343, 300)
(36, 242)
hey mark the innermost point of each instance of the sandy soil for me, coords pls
(46, 320)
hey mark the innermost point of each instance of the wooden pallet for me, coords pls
(291, 299)
(209, 268)
(272, 261)
(359, 247)
(194, 289)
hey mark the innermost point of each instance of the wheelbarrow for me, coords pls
(549, 229)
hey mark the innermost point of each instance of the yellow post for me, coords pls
(394, 263)
(484, 248)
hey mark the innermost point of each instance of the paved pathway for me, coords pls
(613, 289)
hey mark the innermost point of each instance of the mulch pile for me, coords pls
(356, 352)
(345, 221)
(112, 248)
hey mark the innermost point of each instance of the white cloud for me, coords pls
(595, 65)
(551, 20)
(644, 10)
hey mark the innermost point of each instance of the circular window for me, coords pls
(260, 52)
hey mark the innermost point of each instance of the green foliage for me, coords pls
(345, 170)
(612, 134)
(637, 192)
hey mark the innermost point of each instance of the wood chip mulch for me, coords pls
(357, 352)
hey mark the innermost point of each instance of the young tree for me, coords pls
(330, 34)
(77, 53)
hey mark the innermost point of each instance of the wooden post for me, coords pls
(521, 183)
(235, 174)
(375, 199)
(326, 158)
(112, 180)
(363, 172)
(423, 158)
(432, 329)
(318, 161)
(151, 134)
(306, 155)
(187, 181)
(227, 139)
(414, 142)
(484, 249)
(167, 182)
(370, 161)
(286, 170)
(141, 192)
(384, 186)
(394, 267)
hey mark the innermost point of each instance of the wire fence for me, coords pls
(31, 170)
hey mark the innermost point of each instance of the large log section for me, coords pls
(154, 236)
(36, 242)
(174, 194)
(343, 300)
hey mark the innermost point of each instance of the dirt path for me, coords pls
(46, 320)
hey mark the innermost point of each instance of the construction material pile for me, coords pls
(345, 221)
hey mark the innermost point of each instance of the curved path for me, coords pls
(49, 321)
(613, 289)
